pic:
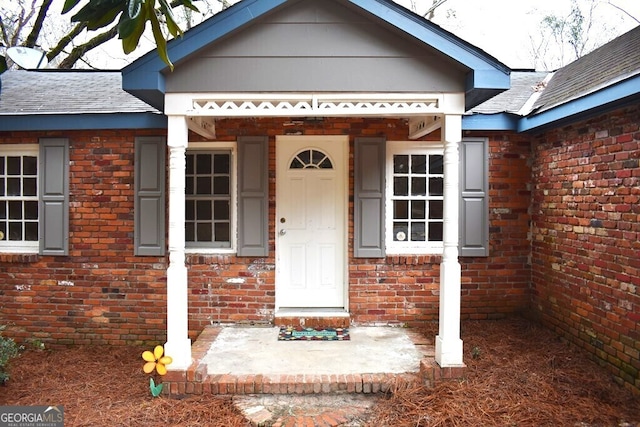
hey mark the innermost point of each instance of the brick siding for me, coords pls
(586, 245)
(498, 285)
(101, 293)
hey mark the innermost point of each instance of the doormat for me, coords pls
(299, 333)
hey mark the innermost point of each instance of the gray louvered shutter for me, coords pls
(253, 196)
(149, 203)
(54, 196)
(369, 182)
(474, 200)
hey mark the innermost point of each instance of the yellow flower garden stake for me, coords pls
(155, 360)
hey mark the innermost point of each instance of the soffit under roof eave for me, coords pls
(482, 85)
(148, 87)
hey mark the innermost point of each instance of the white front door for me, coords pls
(311, 218)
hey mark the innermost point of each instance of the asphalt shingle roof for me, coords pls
(524, 84)
(66, 92)
(70, 92)
(611, 63)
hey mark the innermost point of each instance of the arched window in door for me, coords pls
(311, 159)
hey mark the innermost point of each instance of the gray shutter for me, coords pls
(369, 182)
(54, 196)
(149, 202)
(474, 200)
(253, 196)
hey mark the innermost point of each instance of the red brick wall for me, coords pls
(102, 293)
(406, 288)
(397, 289)
(586, 228)
(499, 284)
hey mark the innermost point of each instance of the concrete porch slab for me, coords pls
(251, 360)
(253, 351)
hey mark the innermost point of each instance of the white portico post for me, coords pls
(448, 342)
(178, 344)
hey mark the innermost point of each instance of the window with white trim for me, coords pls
(414, 197)
(209, 199)
(19, 198)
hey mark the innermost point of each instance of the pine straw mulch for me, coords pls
(519, 374)
(105, 386)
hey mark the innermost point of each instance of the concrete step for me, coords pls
(328, 318)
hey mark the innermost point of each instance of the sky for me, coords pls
(502, 28)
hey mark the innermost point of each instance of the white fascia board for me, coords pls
(453, 103)
(313, 105)
(177, 104)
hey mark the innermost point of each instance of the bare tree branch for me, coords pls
(15, 19)
(19, 25)
(624, 11)
(4, 34)
(430, 13)
(586, 31)
(64, 41)
(37, 26)
(80, 50)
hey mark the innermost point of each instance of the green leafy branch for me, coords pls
(133, 17)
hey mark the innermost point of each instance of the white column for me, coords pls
(448, 342)
(178, 344)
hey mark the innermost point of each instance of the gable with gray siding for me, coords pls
(319, 47)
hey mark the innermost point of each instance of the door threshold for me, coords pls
(314, 312)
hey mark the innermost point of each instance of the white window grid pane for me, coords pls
(415, 228)
(201, 231)
(25, 178)
(18, 198)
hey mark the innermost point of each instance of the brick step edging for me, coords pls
(289, 384)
